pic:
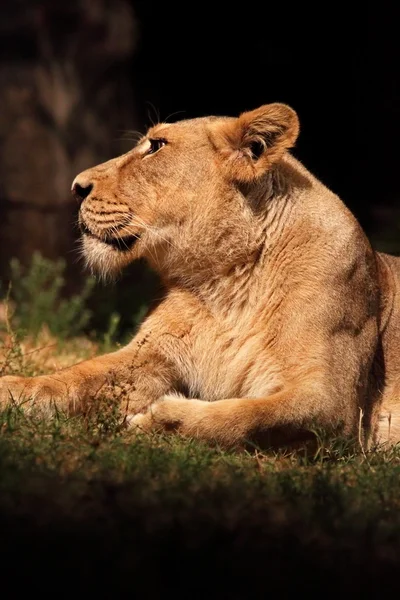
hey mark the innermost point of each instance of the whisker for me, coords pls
(146, 226)
(115, 231)
(156, 112)
(130, 136)
(154, 256)
(154, 230)
(177, 112)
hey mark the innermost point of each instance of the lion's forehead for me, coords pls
(198, 126)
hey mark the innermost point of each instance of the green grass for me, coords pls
(85, 502)
(88, 508)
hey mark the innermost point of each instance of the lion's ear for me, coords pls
(257, 139)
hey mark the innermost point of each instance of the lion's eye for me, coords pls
(156, 145)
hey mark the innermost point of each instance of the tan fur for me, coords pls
(278, 317)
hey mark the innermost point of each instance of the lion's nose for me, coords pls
(81, 190)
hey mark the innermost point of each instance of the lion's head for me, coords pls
(186, 198)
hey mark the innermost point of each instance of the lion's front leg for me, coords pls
(131, 382)
(44, 393)
(227, 422)
(135, 376)
(286, 415)
(69, 391)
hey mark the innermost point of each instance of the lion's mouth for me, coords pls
(122, 244)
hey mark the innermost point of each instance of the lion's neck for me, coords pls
(245, 273)
(257, 280)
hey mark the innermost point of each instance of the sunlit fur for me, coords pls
(278, 317)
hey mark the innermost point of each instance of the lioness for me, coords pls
(278, 316)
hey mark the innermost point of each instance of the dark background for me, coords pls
(330, 65)
(136, 61)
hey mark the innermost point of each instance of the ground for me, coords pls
(87, 507)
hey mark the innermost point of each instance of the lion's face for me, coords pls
(177, 198)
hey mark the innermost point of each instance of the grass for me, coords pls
(85, 503)
(88, 508)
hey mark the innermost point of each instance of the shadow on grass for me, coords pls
(88, 508)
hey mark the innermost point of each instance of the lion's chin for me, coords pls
(105, 259)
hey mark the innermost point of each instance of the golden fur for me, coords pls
(278, 317)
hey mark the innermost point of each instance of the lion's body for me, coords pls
(387, 357)
(278, 316)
